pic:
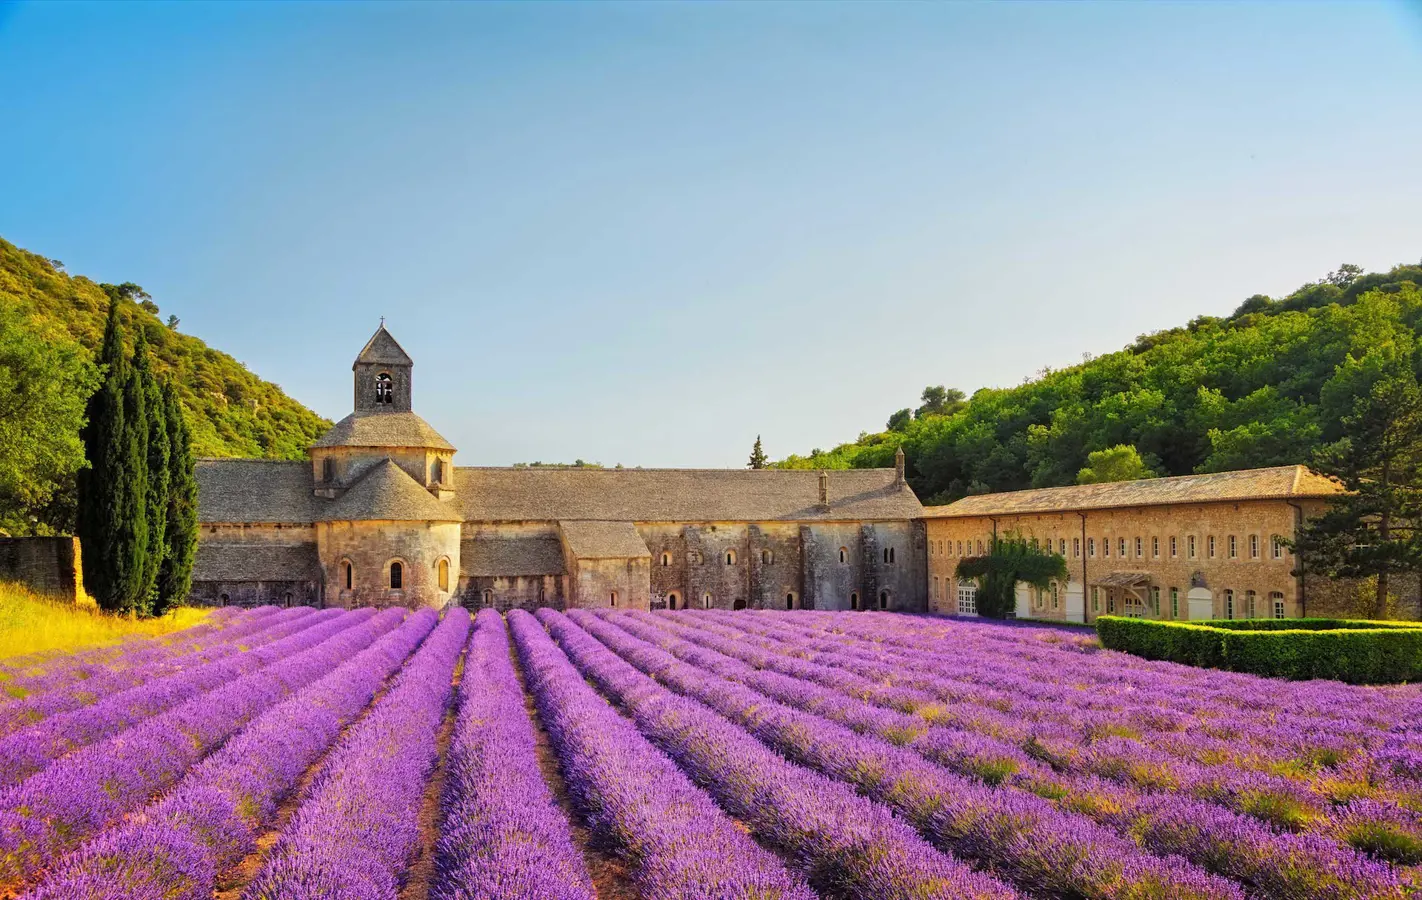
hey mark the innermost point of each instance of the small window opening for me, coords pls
(397, 576)
(730, 557)
(666, 559)
(384, 389)
(671, 601)
(223, 599)
(612, 601)
(286, 598)
(444, 574)
(739, 604)
(854, 600)
(706, 601)
(789, 601)
(328, 470)
(350, 576)
(844, 554)
(766, 557)
(883, 599)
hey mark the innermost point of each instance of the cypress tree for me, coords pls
(102, 485)
(156, 463)
(175, 574)
(131, 533)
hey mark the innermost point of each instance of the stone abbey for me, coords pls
(381, 515)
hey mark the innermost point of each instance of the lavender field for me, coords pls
(708, 754)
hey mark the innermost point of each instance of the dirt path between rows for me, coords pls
(419, 877)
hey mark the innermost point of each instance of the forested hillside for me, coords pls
(51, 324)
(1265, 386)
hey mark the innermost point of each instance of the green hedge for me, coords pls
(1355, 652)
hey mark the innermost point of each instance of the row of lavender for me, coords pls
(1345, 767)
(1260, 855)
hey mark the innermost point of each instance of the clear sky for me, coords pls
(645, 233)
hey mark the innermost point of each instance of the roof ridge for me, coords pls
(657, 469)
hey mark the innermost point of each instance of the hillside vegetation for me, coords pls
(1267, 385)
(31, 623)
(51, 325)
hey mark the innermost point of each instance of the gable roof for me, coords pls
(679, 495)
(507, 557)
(254, 490)
(383, 349)
(1277, 483)
(383, 429)
(604, 540)
(387, 493)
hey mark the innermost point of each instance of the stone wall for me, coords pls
(248, 594)
(372, 547)
(528, 592)
(47, 565)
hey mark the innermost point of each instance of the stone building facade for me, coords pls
(1193, 547)
(380, 515)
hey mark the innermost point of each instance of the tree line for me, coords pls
(137, 499)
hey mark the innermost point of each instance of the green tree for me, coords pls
(131, 543)
(758, 458)
(900, 420)
(940, 401)
(175, 574)
(102, 488)
(1119, 463)
(156, 465)
(1371, 531)
(41, 413)
(1011, 559)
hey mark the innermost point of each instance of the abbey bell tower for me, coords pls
(382, 375)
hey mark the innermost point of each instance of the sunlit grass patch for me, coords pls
(33, 623)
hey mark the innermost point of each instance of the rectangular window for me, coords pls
(1110, 603)
(1155, 548)
(1106, 547)
(1076, 548)
(967, 599)
(1061, 548)
(1096, 599)
(1254, 546)
(960, 548)
(1121, 547)
(1229, 604)
(1278, 547)
(980, 548)
(1190, 546)
(1155, 601)
(1210, 545)
(1054, 595)
(1233, 548)
(1172, 547)
(1175, 603)
(1139, 552)
(1278, 599)
(1091, 547)
(1249, 603)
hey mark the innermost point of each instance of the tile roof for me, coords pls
(1279, 482)
(383, 349)
(511, 556)
(254, 490)
(603, 540)
(256, 562)
(383, 429)
(386, 492)
(679, 495)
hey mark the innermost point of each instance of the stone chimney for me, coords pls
(899, 468)
(824, 491)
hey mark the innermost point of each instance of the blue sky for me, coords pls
(645, 233)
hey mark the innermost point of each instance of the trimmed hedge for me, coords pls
(1343, 650)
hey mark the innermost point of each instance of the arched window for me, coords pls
(443, 569)
(612, 600)
(397, 576)
(789, 601)
(223, 599)
(666, 559)
(671, 600)
(286, 598)
(844, 554)
(887, 551)
(384, 389)
(883, 599)
(1276, 598)
(730, 557)
(706, 600)
(350, 574)
(439, 471)
(766, 557)
(328, 470)
(488, 598)
(854, 600)
(739, 604)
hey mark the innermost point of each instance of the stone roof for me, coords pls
(386, 492)
(1277, 483)
(511, 556)
(604, 540)
(256, 562)
(254, 490)
(678, 495)
(382, 349)
(383, 429)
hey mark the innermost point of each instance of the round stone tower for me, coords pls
(387, 524)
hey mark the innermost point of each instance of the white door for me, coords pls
(1075, 602)
(1202, 603)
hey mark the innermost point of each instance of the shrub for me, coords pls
(1357, 652)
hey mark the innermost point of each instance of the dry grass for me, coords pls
(31, 622)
